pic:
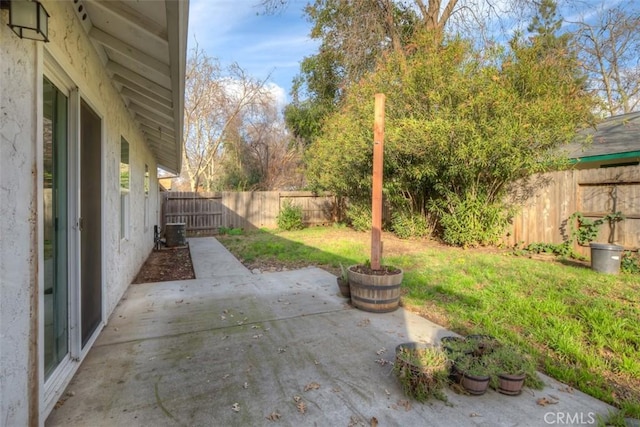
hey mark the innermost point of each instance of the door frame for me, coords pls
(53, 387)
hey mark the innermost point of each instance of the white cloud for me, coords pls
(279, 95)
(265, 46)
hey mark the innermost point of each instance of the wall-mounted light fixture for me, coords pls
(28, 19)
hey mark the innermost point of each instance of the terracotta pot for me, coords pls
(475, 385)
(345, 289)
(511, 384)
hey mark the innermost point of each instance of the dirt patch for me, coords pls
(167, 264)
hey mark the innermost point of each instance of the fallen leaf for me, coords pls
(374, 422)
(387, 392)
(297, 398)
(312, 386)
(274, 416)
(566, 389)
(405, 404)
(245, 385)
(302, 408)
(236, 407)
(382, 350)
(364, 322)
(474, 414)
(543, 401)
(383, 362)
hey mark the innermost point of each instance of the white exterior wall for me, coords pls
(18, 250)
(21, 287)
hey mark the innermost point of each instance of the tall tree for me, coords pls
(356, 34)
(216, 100)
(609, 46)
(461, 125)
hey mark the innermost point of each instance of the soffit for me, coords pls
(143, 47)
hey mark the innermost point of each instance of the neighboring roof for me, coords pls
(616, 137)
(144, 47)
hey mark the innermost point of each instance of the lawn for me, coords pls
(582, 327)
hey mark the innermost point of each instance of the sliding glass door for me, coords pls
(55, 214)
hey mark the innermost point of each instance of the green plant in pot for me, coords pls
(512, 370)
(482, 344)
(452, 345)
(475, 373)
(422, 370)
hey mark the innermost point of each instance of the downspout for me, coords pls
(33, 370)
(33, 373)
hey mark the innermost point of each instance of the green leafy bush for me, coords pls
(472, 220)
(405, 225)
(290, 217)
(359, 216)
(630, 263)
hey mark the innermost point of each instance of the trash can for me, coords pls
(605, 258)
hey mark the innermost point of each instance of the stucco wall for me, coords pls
(21, 68)
(73, 50)
(17, 219)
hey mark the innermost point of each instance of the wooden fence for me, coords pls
(593, 192)
(547, 203)
(204, 213)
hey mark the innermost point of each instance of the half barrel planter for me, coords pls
(375, 293)
(511, 385)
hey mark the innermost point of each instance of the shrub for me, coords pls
(629, 263)
(406, 225)
(473, 220)
(359, 217)
(290, 217)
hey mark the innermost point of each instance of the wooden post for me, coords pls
(376, 194)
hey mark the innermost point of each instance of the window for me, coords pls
(124, 189)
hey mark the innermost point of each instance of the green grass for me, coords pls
(581, 326)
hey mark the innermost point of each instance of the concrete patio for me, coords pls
(233, 348)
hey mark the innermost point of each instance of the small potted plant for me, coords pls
(343, 282)
(511, 370)
(452, 344)
(475, 373)
(422, 370)
(482, 344)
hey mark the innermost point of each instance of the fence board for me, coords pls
(594, 192)
(205, 213)
(547, 203)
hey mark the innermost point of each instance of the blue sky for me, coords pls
(273, 45)
(263, 45)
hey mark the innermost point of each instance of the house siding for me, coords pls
(18, 231)
(21, 68)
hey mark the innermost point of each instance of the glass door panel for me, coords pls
(56, 319)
